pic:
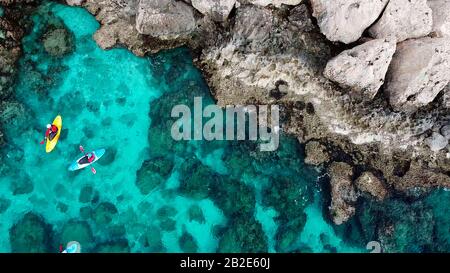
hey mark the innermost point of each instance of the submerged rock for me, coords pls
(86, 213)
(363, 68)
(196, 214)
(22, 185)
(289, 196)
(196, 179)
(58, 42)
(166, 212)
(153, 173)
(343, 194)
(418, 72)
(86, 194)
(187, 243)
(233, 197)
(104, 213)
(165, 19)
(243, 235)
(218, 10)
(168, 224)
(404, 19)
(31, 234)
(400, 227)
(152, 239)
(346, 20)
(4, 204)
(120, 246)
(79, 231)
(288, 234)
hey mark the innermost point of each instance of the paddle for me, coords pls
(45, 138)
(92, 168)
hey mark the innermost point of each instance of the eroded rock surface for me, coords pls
(276, 3)
(343, 194)
(370, 184)
(418, 72)
(404, 19)
(346, 20)
(362, 68)
(165, 19)
(218, 10)
(441, 17)
(316, 153)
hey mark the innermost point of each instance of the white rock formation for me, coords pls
(419, 71)
(404, 19)
(363, 68)
(74, 2)
(445, 131)
(165, 19)
(436, 142)
(346, 20)
(276, 3)
(218, 10)
(441, 17)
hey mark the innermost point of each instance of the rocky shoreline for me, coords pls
(386, 126)
(326, 75)
(12, 30)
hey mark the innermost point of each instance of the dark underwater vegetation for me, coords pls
(152, 193)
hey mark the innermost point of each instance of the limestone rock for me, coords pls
(418, 72)
(218, 10)
(346, 20)
(276, 3)
(441, 17)
(316, 153)
(436, 142)
(165, 19)
(418, 179)
(74, 2)
(363, 68)
(369, 183)
(343, 194)
(445, 131)
(404, 19)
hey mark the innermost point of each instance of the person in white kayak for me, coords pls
(87, 159)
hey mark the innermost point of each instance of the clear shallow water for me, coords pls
(150, 193)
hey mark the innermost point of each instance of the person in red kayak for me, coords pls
(51, 132)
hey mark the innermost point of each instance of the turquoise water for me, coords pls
(151, 193)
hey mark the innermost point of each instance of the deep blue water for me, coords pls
(151, 193)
